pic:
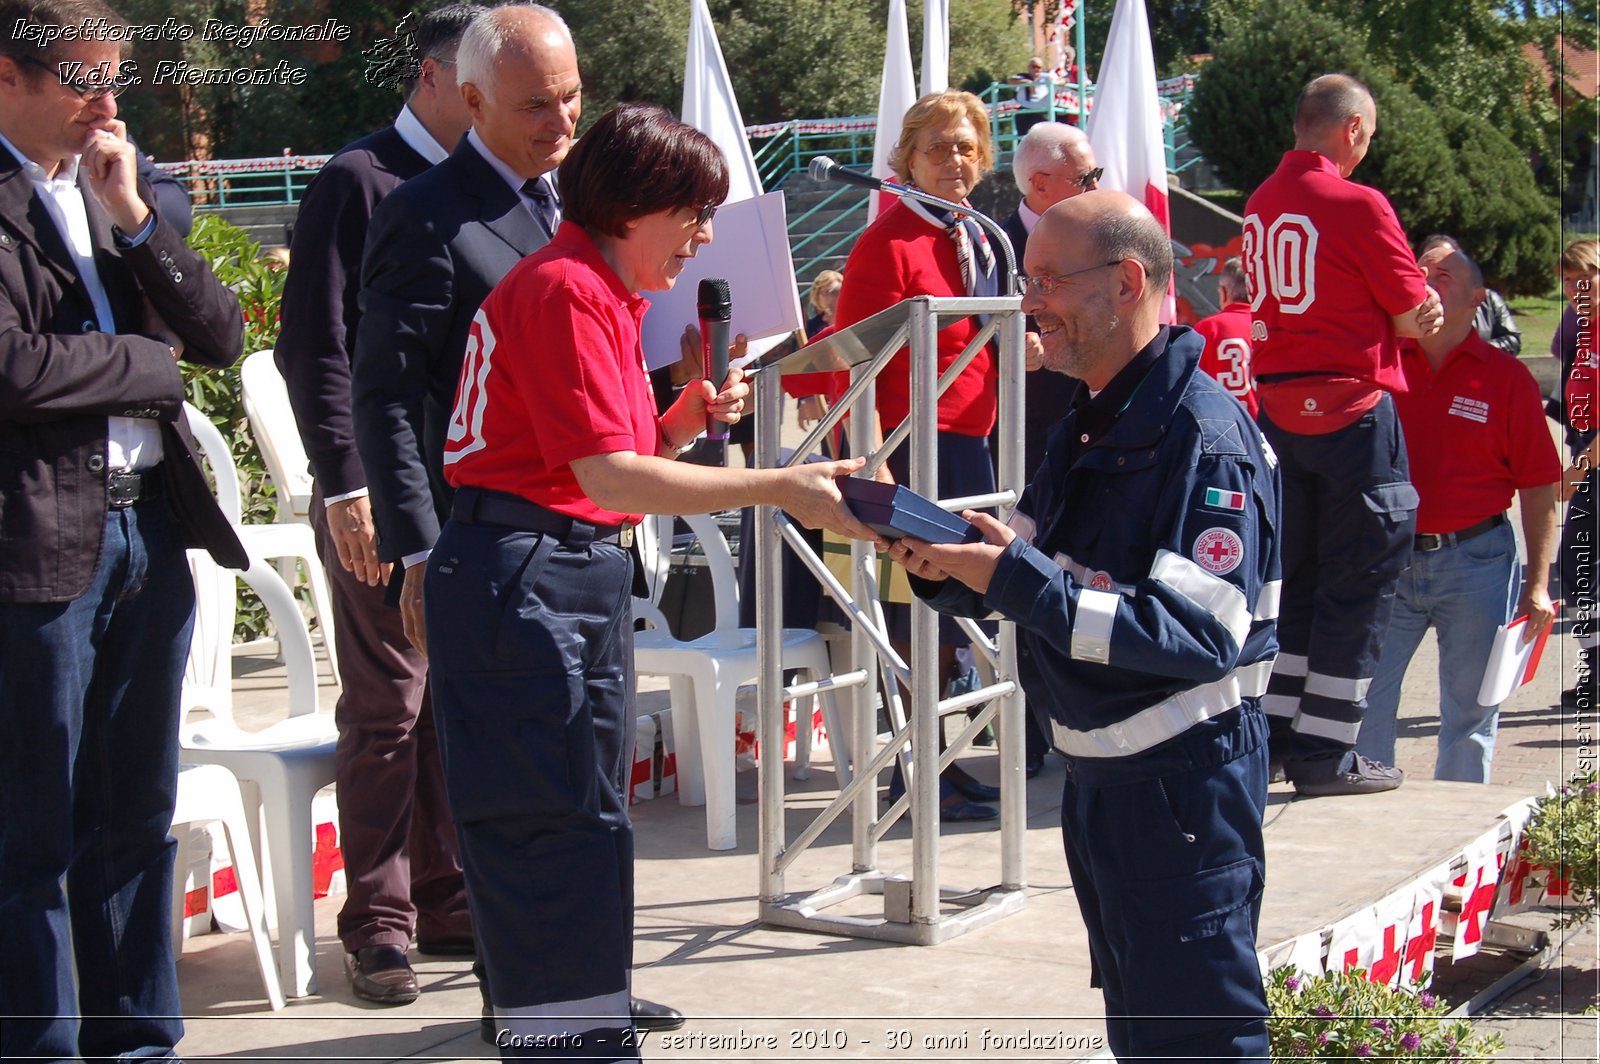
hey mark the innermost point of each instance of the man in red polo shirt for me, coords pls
(1476, 434)
(1332, 287)
(1227, 336)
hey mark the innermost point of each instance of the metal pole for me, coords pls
(1013, 781)
(863, 844)
(769, 644)
(925, 692)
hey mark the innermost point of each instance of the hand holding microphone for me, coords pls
(716, 312)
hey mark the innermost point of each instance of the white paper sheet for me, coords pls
(1507, 668)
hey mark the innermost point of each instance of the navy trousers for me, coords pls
(531, 668)
(1349, 518)
(1168, 866)
(89, 694)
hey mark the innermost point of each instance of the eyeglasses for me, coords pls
(90, 91)
(704, 216)
(1046, 283)
(940, 153)
(1089, 178)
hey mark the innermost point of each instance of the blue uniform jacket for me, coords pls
(1144, 579)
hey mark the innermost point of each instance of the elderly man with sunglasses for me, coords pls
(1140, 568)
(100, 493)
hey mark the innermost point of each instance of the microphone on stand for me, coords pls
(716, 311)
(824, 169)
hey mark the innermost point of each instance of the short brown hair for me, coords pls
(638, 160)
(952, 105)
(1581, 256)
(74, 16)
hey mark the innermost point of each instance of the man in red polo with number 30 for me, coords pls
(1333, 286)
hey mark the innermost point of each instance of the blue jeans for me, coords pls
(89, 694)
(1466, 592)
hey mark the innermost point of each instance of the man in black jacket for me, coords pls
(100, 493)
(402, 866)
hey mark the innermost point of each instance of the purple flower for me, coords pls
(1591, 788)
(1322, 1012)
(1381, 1024)
(1291, 984)
(1322, 1039)
(1363, 1050)
(1410, 1040)
(1428, 1000)
(1301, 1049)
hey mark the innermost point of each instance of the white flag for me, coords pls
(895, 96)
(1125, 125)
(935, 46)
(710, 106)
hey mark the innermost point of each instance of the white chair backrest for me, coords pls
(724, 578)
(266, 404)
(208, 676)
(654, 560)
(214, 449)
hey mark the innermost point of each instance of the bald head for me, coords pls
(1114, 226)
(1336, 117)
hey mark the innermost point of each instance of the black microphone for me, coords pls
(824, 169)
(716, 310)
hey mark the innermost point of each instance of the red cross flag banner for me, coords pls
(1353, 941)
(896, 94)
(1305, 953)
(1422, 933)
(1519, 887)
(1125, 125)
(1394, 924)
(1476, 886)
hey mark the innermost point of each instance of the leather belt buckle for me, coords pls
(1429, 543)
(123, 489)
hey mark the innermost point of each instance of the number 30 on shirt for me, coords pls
(465, 433)
(1282, 260)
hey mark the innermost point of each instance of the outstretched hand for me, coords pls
(971, 563)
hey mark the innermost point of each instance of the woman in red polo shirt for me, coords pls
(915, 250)
(555, 451)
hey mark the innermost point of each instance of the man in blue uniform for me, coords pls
(1141, 568)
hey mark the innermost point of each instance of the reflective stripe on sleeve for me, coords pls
(1022, 525)
(1253, 679)
(1290, 665)
(1211, 593)
(1091, 629)
(1281, 705)
(1267, 603)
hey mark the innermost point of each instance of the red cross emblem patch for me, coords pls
(1219, 550)
(1101, 581)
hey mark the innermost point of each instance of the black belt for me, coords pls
(124, 487)
(1432, 542)
(480, 506)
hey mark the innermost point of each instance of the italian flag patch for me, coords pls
(1224, 500)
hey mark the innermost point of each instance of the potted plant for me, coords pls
(1342, 1016)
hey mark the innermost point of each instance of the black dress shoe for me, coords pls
(649, 1016)
(488, 1027)
(974, 791)
(382, 975)
(448, 946)
(1032, 765)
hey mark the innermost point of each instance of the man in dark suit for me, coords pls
(401, 862)
(1054, 162)
(100, 493)
(436, 247)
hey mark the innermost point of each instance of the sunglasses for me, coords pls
(940, 153)
(1046, 283)
(1089, 178)
(90, 91)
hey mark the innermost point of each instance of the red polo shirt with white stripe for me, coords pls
(1227, 355)
(554, 371)
(1328, 269)
(1475, 433)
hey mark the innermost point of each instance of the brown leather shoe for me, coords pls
(382, 975)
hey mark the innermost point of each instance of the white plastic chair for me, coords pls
(207, 794)
(266, 541)
(706, 674)
(266, 404)
(279, 767)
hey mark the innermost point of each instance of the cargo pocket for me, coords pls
(1394, 502)
(1198, 906)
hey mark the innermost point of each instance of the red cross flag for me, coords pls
(1477, 893)
(1125, 125)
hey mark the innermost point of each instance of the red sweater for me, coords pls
(901, 255)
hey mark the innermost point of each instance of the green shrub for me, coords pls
(1563, 835)
(1342, 1016)
(236, 260)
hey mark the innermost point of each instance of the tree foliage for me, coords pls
(1444, 168)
